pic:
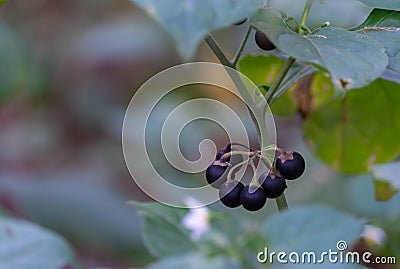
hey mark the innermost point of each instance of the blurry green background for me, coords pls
(68, 70)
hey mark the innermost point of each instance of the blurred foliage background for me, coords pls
(68, 71)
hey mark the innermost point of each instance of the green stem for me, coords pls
(290, 61)
(281, 76)
(241, 47)
(305, 14)
(218, 51)
(257, 117)
(281, 200)
(289, 81)
(281, 203)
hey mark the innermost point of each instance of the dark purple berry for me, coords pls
(253, 201)
(290, 165)
(273, 185)
(214, 175)
(229, 193)
(263, 42)
(222, 152)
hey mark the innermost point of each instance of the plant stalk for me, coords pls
(305, 14)
(281, 200)
(218, 51)
(281, 76)
(281, 203)
(241, 47)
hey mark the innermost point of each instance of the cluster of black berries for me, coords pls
(288, 165)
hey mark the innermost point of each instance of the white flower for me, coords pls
(373, 234)
(198, 219)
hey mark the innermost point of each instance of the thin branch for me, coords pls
(241, 47)
(212, 43)
(277, 82)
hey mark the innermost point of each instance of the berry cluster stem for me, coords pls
(278, 81)
(281, 203)
(229, 176)
(259, 119)
(238, 152)
(281, 200)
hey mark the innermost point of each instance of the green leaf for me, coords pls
(360, 200)
(353, 60)
(189, 21)
(285, 106)
(2, 2)
(163, 225)
(384, 26)
(385, 4)
(194, 261)
(310, 228)
(26, 245)
(353, 134)
(386, 180)
(261, 69)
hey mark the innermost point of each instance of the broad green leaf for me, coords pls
(386, 180)
(353, 134)
(353, 59)
(3, 2)
(263, 70)
(156, 210)
(285, 106)
(310, 228)
(384, 26)
(189, 21)
(360, 200)
(163, 225)
(26, 245)
(385, 4)
(194, 261)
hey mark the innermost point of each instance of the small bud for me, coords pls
(305, 28)
(326, 24)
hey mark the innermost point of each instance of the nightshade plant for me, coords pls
(344, 84)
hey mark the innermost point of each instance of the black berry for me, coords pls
(240, 22)
(222, 152)
(263, 42)
(229, 193)
(213, 173)
(273, 185)
(252, 201)
(290, 165)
